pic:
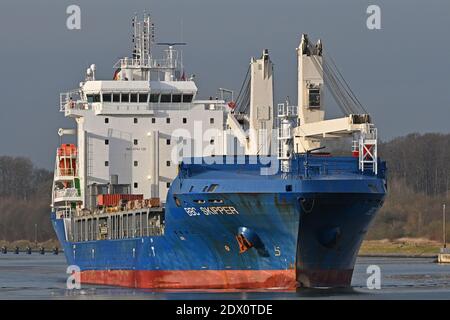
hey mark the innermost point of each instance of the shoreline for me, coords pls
(398, 248)
(48, 245)
(397, 255)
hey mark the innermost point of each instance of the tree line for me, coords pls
(25, 196)
(421, 161)
(418, 184)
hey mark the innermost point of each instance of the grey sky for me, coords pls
(401, 73)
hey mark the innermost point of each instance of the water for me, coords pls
(43, 277)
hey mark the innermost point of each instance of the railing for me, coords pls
(130, 62)
(287, 110)
(285, 133)
(67, 193)
(64, 213)
(90, 230)
(78, 105)
(355, 146)
(368, 153)
(122, 107)
(70, 99)
(142, 107)
(146, 63)
(63, 152)
(66, 172)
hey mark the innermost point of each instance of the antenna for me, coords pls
(143, 38)
(171, 58)
(181, 52)
(181, 30)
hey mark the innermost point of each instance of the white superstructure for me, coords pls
(133, 131)
(129, 129)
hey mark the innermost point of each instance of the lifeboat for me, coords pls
(67, 155)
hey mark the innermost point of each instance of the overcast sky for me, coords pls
(401, 73)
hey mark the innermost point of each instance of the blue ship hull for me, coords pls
(229, 227)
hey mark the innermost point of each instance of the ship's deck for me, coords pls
(319, 174)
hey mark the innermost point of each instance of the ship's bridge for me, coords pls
(128, 97)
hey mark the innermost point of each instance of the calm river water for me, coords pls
(43, 277)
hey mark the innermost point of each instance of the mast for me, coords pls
(310, 87)
(138, 67)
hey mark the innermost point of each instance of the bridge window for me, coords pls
(184, 120)
(107, 97)
(125, 97)
(154, 98)
(187, 98)
(143, 97)
(133, 97)
(91, 98)
(116, 97)
(176, 98)
(165, 98)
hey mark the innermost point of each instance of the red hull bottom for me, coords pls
(324, 278)
(193, 279)
(216, 279)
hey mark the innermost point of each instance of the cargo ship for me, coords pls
(163, 190)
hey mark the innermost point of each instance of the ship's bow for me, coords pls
(331, 229)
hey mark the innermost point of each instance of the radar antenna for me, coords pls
(171, 44)
(171, 59)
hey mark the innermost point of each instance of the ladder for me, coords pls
(368, 151)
